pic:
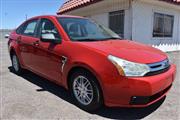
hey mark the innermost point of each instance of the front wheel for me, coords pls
(85, 90)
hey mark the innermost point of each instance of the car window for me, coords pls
(20, 29)
(80, 29)
(47, 26)
(30, 28)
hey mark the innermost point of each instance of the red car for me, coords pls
(91, 61)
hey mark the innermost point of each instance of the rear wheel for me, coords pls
(16, 65)
(85, 90)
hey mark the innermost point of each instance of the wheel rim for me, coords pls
(83, 90)
(15, 63)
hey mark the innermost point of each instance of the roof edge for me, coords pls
(71, 5)
(59, 12)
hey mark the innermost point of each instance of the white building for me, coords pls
(153, 22)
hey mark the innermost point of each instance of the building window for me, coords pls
(116, 22)
(163, 25)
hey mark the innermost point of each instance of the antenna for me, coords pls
(26, 16)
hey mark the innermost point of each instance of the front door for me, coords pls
(47, 60)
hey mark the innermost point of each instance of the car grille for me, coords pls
(158, 68)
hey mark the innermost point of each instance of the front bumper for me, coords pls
(139, 91)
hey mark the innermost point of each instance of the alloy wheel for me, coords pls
(15, 63)
(83, 90)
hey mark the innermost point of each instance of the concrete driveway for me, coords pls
(33, 97)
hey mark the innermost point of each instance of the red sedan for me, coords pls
(91, 61)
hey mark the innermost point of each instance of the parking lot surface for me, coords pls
(33, 97)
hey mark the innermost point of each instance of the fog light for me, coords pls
(139, 100)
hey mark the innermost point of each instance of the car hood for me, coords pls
(128, 50)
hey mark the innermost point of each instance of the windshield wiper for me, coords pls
(112, 38)
(87, 39)
(92, 39)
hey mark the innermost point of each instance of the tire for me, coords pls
(94, 100)
(16, 64)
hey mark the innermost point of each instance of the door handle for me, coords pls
(18, 39)
(36, 43)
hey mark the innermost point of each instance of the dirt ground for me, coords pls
(32, 97)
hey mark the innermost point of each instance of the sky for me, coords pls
(14, 12)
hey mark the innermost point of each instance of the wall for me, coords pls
(104, 6)
(99, 12)
(101, 19)
(139, 17)
(142, 25)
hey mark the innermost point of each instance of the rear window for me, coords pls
(30, 27)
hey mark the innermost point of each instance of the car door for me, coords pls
(47, 56)
(26, 40)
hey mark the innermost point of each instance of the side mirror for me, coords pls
(6, 36)
(49, 37)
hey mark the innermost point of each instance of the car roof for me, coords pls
(54, 16)
(59, 16)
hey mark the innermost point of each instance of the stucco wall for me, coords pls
(99, 12)
(101, 19)
(101, 7)
(139, 18)
(104, 20)
(142, 25)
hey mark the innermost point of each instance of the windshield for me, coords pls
(81, 29)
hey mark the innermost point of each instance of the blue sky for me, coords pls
(13, 12)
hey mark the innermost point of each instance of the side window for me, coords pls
(30, 27)
(47, 26)
(20, 29)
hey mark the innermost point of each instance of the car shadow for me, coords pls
(112, 113)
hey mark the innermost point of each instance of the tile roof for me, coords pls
(75, 4)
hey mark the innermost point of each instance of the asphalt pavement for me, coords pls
(33, 97)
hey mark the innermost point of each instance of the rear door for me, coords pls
(26, 41)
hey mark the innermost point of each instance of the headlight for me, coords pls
(127, 68)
